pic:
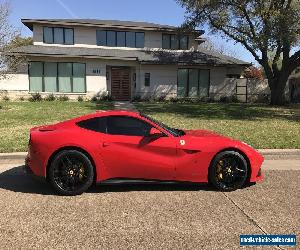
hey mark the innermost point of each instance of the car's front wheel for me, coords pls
(71, 172)
(228, 171)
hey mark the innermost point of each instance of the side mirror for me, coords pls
(154, 132)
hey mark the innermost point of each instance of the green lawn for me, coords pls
(261, 126)
(16, 118)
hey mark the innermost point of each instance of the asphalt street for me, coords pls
(146, 216)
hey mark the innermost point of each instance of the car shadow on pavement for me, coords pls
(16, 180)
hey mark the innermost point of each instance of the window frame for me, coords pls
(147, 76)
(64, 36)
(178, 37)
(186, 95)
(57, 75)
(116, 38)
(127, 116)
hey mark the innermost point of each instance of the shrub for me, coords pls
(101, 97)
(174, 99)
(80, 98)
(234, 98)
(50, 98)
(137, 98)
(63, 98)
(224, 99)
(5, 98)
(161, 98)
(35, 97)
(22, 99)
(94, 98)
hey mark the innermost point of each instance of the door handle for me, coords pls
(105, 144)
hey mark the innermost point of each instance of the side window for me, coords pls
(122, 125)
(97, 124)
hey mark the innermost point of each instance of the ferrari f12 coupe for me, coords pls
(114, 145)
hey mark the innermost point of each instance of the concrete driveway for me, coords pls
(144, 216)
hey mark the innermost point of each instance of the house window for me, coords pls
(120, 38)
(58, 35)
(139, 39)
(147, 79)
(175, 42)
(36, 76)
(121, 41)
(193, 82)
(62, 77)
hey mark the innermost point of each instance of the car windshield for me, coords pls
(172, 131)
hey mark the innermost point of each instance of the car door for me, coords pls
(128, 152)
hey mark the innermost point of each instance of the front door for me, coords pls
(128, 152)
(120, 83)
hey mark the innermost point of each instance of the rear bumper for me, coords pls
(30, 168)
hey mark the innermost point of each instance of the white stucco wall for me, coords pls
(163, 80)
(14, 82)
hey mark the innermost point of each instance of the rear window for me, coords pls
(97, 124)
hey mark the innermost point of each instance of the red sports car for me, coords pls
(112, 145)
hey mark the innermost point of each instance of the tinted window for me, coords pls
(48, 35)
(121, 39)
(184, 42)
(122, 125)
(140, 40)
(69, 36)
(111, 38)
(101, 37)
(166, 41)
(58, 35)
(97, 124)
(147, 79)
(130, 39)
(174, 42)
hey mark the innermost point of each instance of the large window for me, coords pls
(120, 39)
(63, 77)
(175, 42)
(193, 83)
(58, 35)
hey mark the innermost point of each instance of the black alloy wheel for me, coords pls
(229, 171)
(71, 172)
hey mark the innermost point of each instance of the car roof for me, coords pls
(100, 113)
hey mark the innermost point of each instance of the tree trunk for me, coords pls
(277, 86)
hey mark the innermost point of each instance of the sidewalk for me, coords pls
(124, 105)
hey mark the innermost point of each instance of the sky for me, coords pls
(156, 11)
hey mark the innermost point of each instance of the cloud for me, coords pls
(67, 9)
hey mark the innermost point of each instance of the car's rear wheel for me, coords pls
(71, 172)
(228, 171)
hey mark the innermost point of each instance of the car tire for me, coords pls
(228, 171)
(71, 172)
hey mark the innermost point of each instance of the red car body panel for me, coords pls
(184, 158)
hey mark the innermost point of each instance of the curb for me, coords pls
(267, 153)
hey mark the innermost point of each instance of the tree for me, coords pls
(13, 62)
(7, 33)
(260, 26)
(212, 45)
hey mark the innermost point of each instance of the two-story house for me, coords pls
(121, 58)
